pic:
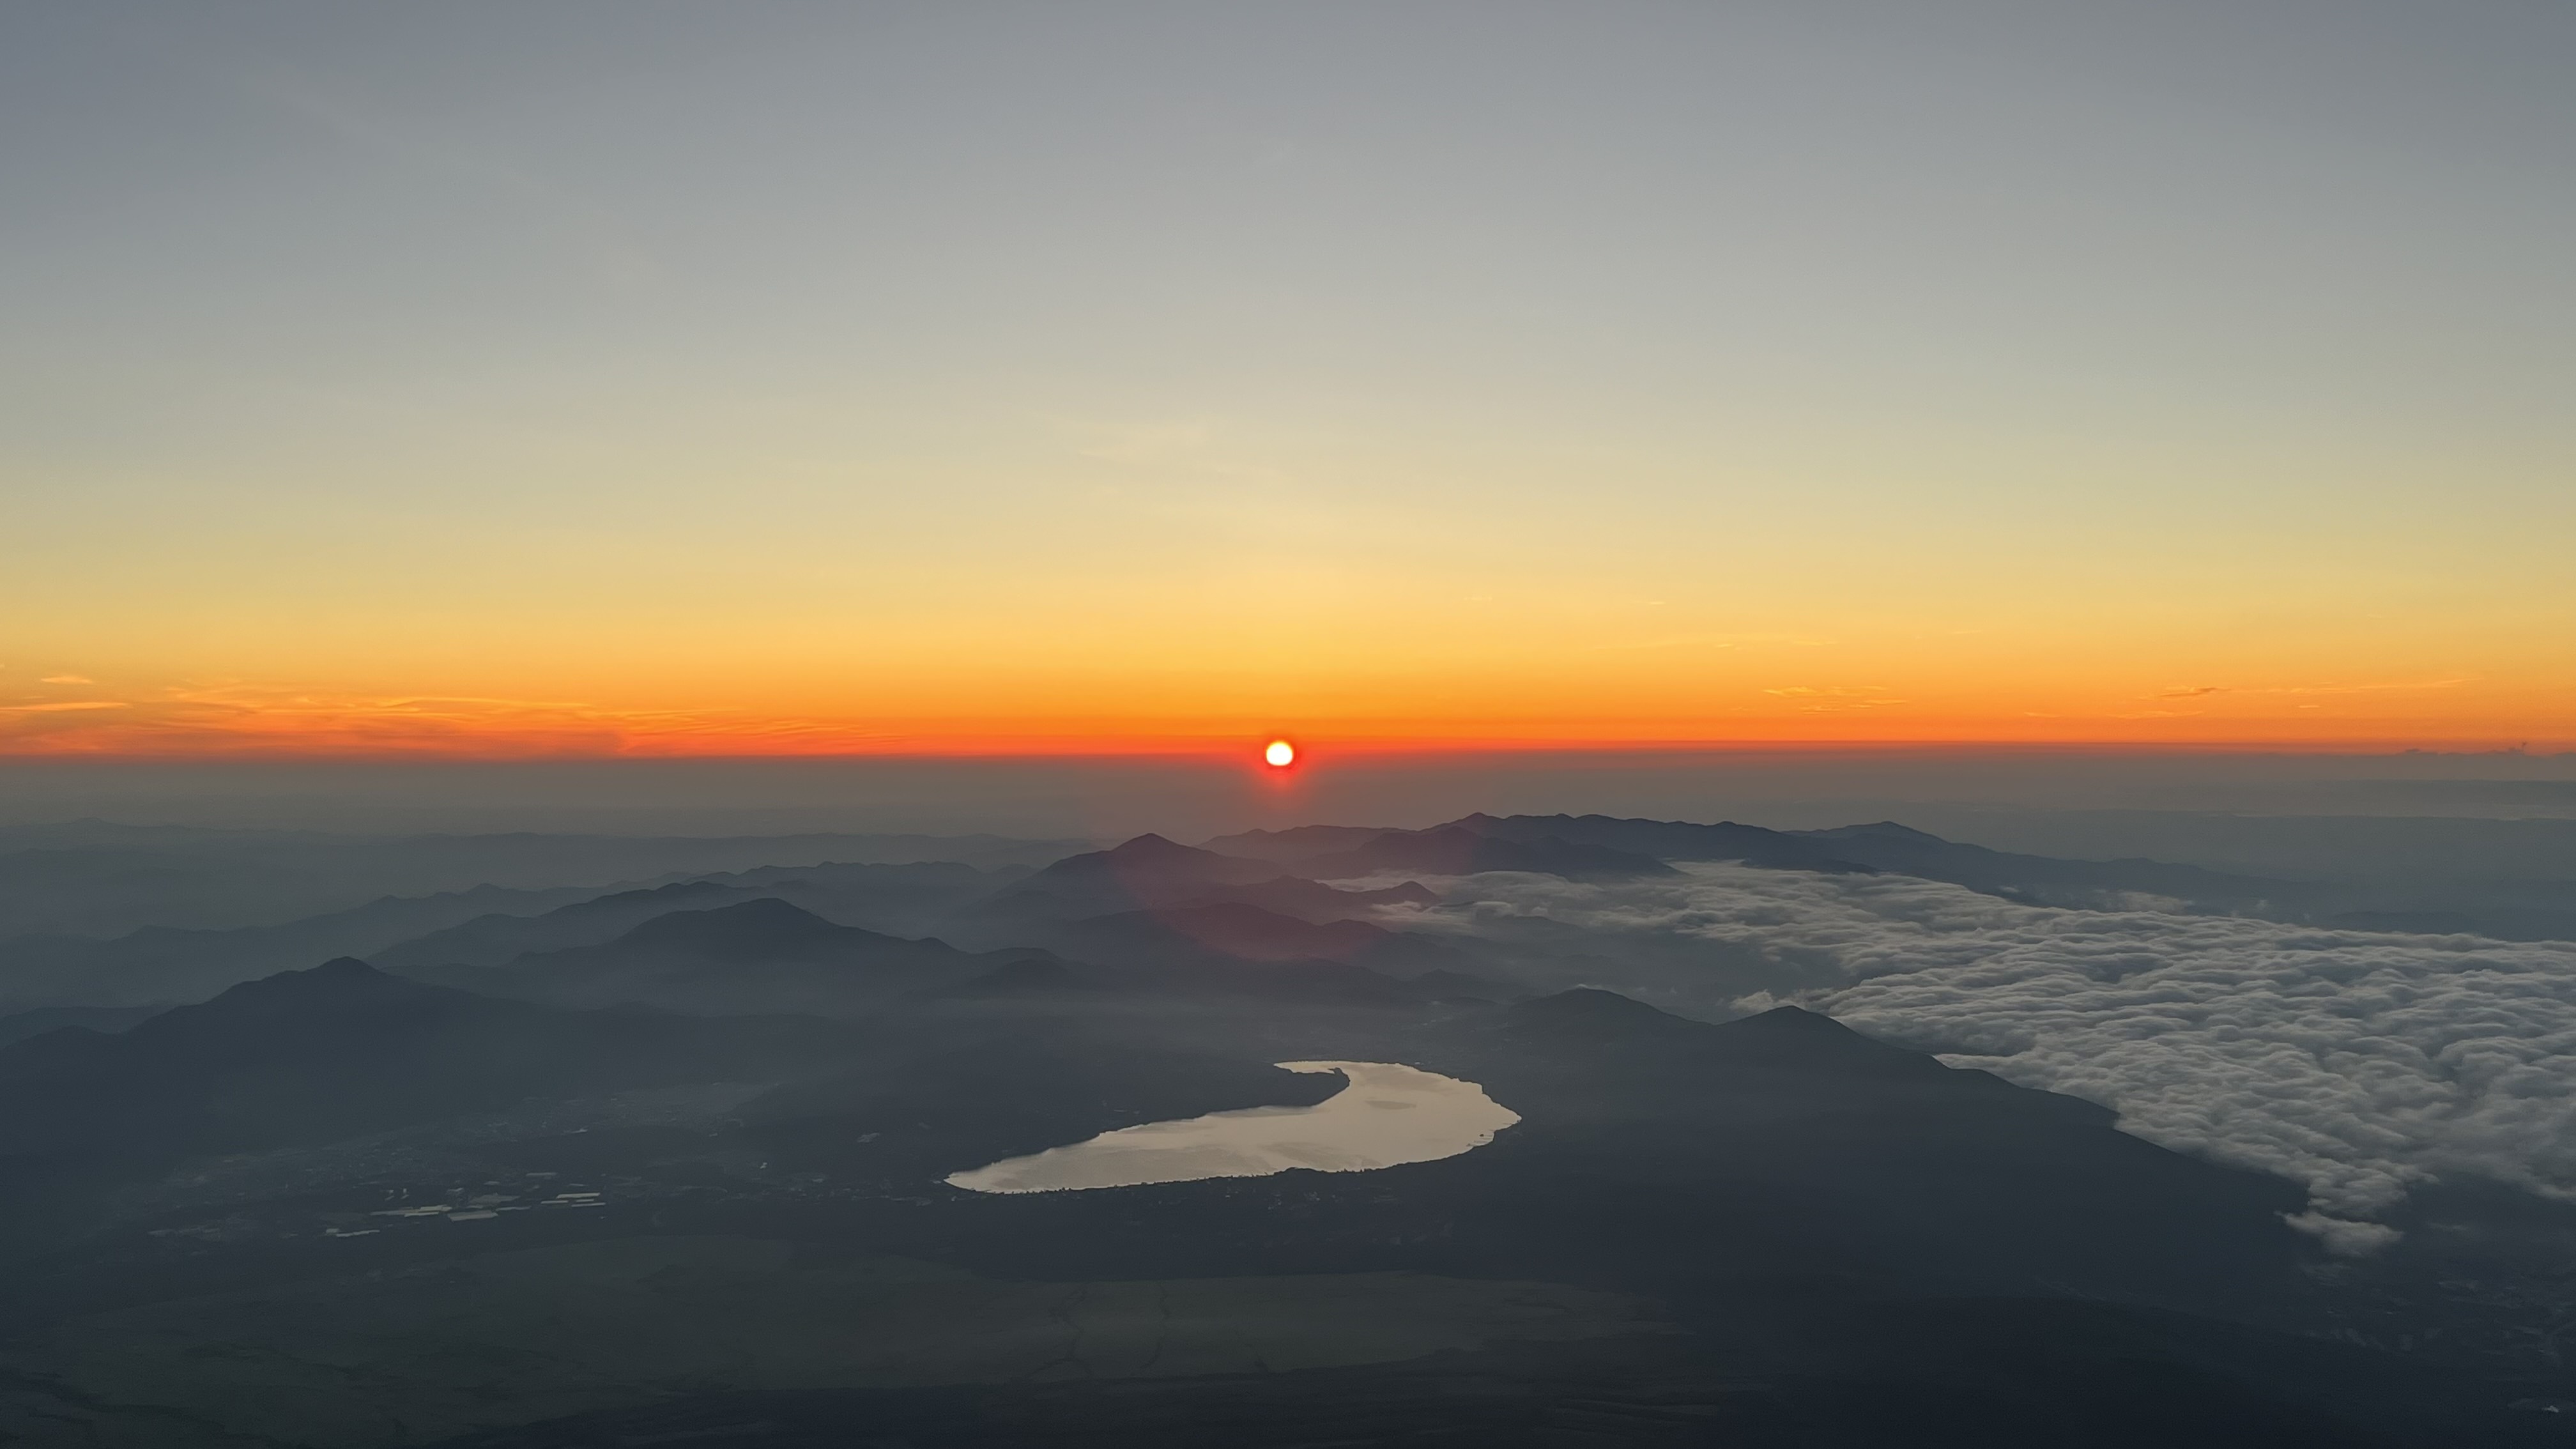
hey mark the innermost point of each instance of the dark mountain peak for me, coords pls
(343, 978)
(344, 989)
(678, 890)
(1795, 1039)
(1147, 870)
(1147, 854)
(1791, 1021)
(1515, 827)
(1878, 830)
(1593, 1012)
(762, 927)
(1660, 839)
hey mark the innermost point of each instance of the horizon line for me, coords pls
(1313, 754)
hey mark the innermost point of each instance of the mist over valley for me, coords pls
(1770, 1115)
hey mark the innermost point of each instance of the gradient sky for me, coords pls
(673, 377)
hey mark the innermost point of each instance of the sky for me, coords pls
(647, 378)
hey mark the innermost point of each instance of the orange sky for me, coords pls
(235, 721)
(1533, 627)
(1033, 384)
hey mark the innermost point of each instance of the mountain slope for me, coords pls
(1459, 850)
(1824, 1151)
(489, 940)
(1150, 873)
(1232, 931)
(760, 955)
(312, 1056)
(1667, 839)
(159, 965)
(2046, 880)
(1331, 852)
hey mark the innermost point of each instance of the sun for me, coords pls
(1279, 754)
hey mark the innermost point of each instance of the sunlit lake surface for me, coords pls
(1388, 1115)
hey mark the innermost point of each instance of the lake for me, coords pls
(1389, 1114)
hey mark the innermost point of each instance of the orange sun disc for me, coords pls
(1279, 754)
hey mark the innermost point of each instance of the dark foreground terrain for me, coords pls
(665, 1166)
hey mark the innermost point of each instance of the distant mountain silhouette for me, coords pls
(1146, 871)
(1784, 1038)
(1798, 1233)
(1152, 874)
(911, 893)
(909, 900)
(757, 930)
(99, 879)
(1667, 839)
(490, 940)
(2047, 880)
(342, 1049)
(1457, 850)
(1236, 931)
(165, 965)
(487, 925)
(759, 955)
(1593, 1015)
(2517, 910)
(1558, 842)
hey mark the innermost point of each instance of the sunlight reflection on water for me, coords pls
(1389, 1114)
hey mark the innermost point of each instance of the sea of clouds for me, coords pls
(2358, 1063)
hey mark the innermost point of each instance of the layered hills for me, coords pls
(711, 1119)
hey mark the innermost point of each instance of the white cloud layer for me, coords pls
(2358, 1063)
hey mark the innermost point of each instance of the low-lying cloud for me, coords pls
(2358, 1063)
